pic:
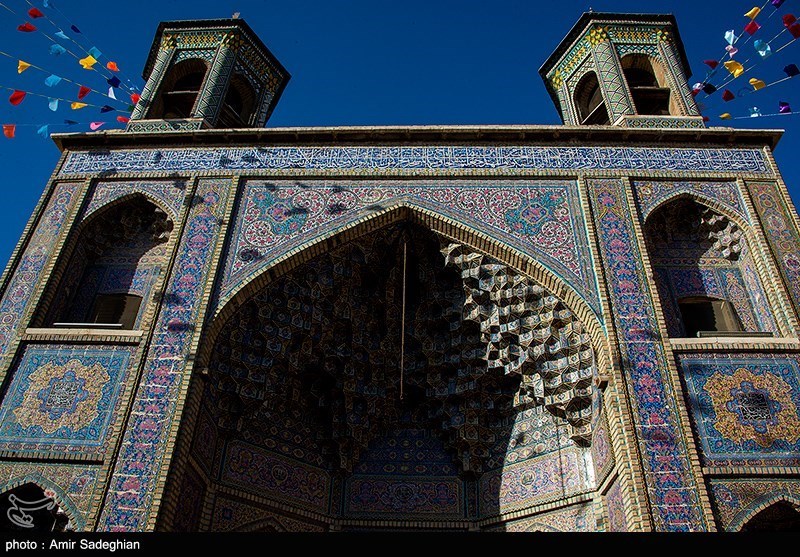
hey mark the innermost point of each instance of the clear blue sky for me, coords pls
(358, 62)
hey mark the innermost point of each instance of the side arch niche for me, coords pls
(398, 375)
(705, 271)
(776, 513)
(108, 274)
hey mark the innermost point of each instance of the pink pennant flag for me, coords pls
(95, 125)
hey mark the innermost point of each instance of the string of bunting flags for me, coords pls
(762, 48)
(66, 40)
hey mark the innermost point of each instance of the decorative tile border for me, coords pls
(652, 193)
(170, 194)
(377, 158)
(738, 500)
(670, 481)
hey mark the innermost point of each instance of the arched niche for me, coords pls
(29, 508)
(776, 512)
(705, 270)
(113, 263)
(648, 85)
(305, 404)
(589, 102)
(239, 104)
(177, 96)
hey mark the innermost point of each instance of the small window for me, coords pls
(116, 309)
(589, 101)
(708, 314)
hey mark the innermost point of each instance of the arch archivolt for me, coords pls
(445, 227)
(61, 498)
(744, 515)
(722, 208)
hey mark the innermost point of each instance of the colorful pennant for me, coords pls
(725, 116)
(83, 91)
(9, 129)
(711, 64)
(26, 27)
(752, 27)
(95, 125)
(734, 67)
(95, 53)
(727, 95)
(791, 70)
(112, 66)
(57, 50)
(52, 80)
(757, 83)
(88, 62)
(22, 66)
(762, 47)
(52, 104)
(113, 81)
(708, 88)
(44, 131)
(123, 119)
(730, 36)
(784, 108)
(34, 13)
(17, 97)
(752, 14)
(754, 112)
(77, 105)
(135, 98)
(732, 50)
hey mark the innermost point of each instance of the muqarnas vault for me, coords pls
(213, 325)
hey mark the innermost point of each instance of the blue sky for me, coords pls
(358, 62)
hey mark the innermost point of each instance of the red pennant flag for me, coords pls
(711, 64)
(788, 19)
(751, 27)
(705, 118)
(123, 119)
(83, 91)
(26, 27)
(9, 129)
(112, 66)
(16, 97)
(727, 95)
(34, 13)
(135, 98)
(794, 29)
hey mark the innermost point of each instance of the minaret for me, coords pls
(625, 70)
(208, 74)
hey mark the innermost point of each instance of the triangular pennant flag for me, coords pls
(44, 131)
(16, 97)
(46, 3)
(111, 93)
(62, 35)
(94, 52)
(725, 116)
(106, 108)
(734, 67)
(701, 107)
(727, 95)
(123, 119)
(708, 88)
(52, 80)
(791, 70)
(711, 64)
(788, 20)
(87, 62)
(95, 125)
(752, 14)
(113, 81)
(757, 83)
(52, 104)
(26, 27)
(135, 98)
(57, 50)
(794, 29)
(730, 36)
(130, 108)
(9, 129)
(777, 3)
(754, 112)
(83, 91)
(784, 108)
(22, 66)
(752, 27)
(762, 47)
(74, 28)
(34, 13)
(112, 66)
(732, 50)
(77, 105)
(70, 122)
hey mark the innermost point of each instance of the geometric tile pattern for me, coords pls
(575, 518)
(651, 193)
(378, 158)
(615, 508)
(668, 475)
(169, 193)
(745, 408)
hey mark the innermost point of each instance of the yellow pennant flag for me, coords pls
(757, 83)
(725, 116)
(87, 62)
(77, 105)
(22, 66)
(753, 13)
(734, 67)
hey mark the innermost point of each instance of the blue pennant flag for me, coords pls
(57, 50)
(75, 29)
(96, 54)
(70, 122)
(113, 81)
(44, 131)
(52, 104)
(52, 81)
(62, 35)
(46, 3)
(106, 108)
